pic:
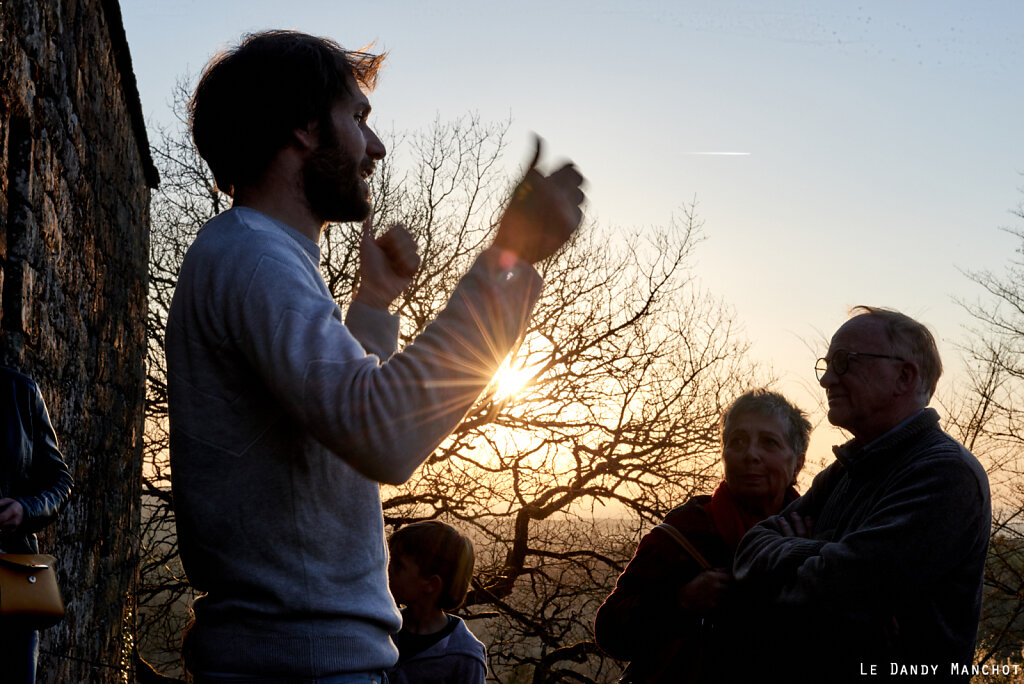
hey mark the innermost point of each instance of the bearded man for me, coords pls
(285, 417)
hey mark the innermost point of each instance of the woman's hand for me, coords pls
(704, 592)
(12, 514)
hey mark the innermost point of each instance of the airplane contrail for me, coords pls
(719, 154)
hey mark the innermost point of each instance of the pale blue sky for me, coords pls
(884, 136)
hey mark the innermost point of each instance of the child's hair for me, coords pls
(438, 549)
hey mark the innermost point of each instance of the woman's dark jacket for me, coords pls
(32, 470)
(642, 621)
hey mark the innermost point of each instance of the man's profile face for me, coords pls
(862, 400)
(335, 173)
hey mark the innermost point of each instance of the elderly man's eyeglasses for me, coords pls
(840, 361)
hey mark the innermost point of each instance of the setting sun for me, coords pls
(509, 381)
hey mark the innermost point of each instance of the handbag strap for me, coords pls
(685, 543)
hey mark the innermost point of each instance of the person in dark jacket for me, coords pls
(878, 569)
(34, 485)
(669, 615)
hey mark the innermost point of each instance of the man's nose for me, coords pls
(829, 377)
(375, 149)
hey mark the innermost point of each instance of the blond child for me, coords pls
(431, 564)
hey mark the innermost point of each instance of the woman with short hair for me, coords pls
(673, 613)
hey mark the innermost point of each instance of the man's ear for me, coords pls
(907, 379)
(308, 137)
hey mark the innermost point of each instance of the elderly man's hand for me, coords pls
(543, 212)
(797, 526)
(12, 514)
(704, 592)
(387, 265)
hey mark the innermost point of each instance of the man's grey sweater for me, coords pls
(283, 420)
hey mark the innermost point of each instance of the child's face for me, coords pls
(404, 579)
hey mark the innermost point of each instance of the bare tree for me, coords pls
(186, 199)
(603, 419)
(988, 416)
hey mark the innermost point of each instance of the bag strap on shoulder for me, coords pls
(685, 543)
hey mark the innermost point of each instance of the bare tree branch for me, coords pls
(613, 419)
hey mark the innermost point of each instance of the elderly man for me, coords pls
(877, 570)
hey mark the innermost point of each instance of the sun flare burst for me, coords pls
(509, 381)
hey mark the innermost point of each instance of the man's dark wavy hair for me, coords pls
(251, 97)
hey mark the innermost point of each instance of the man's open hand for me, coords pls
(543, 212)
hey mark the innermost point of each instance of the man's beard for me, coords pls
(333, 184)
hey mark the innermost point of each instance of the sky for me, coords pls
(875, 148)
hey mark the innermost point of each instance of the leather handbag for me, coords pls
(29, 595)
